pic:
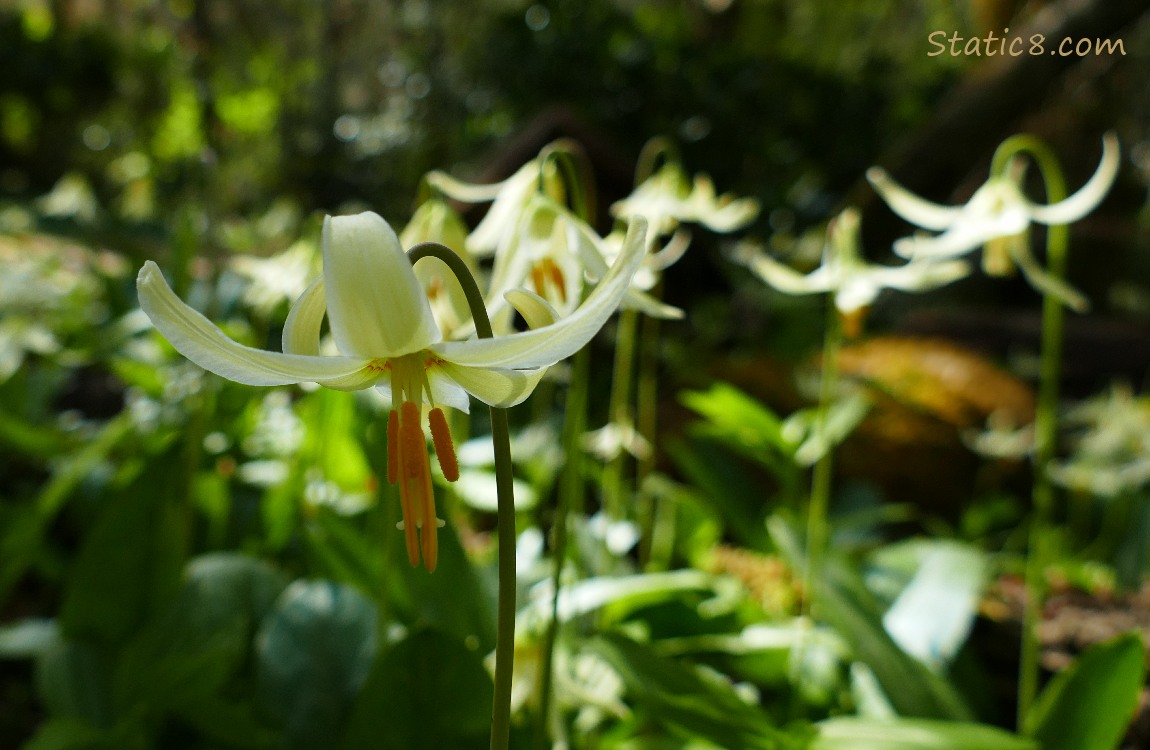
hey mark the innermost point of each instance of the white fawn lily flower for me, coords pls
(383, 327)
(998, 216)
(509, 199)
(436, 221)
(668, 197)
(854, 282)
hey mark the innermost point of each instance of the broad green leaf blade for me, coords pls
(737, 493)
(70, 734)
(434, 693)
(73, 680)
(690, 704)
(129, 564)
(313, 653)
(1088, 706)
(914, 734)
(843, 602)
(187, 653)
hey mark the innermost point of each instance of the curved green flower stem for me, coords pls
(1045, 418)
(500, 436)
(574, 170)
(570, 492)
(659, 147)
(619, 413)
(824, 468)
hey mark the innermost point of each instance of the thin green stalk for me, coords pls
(647, 423)
(620, 413)
(1046, 414)
(500, 436)
(570, 492)
(824, 468)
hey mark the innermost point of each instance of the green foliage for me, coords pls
(192, 564)
(1089, 705)
(691, 703)
(436, 693)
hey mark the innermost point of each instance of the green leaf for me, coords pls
(914, 734)
(73, 680)
(1089, 705)
(342, 551)
(739, 418)
(435, 693)
(190, 651)
(689, 702)
(128, 565)
(455, 598)
(69, 733)
(314, 651)
(842, 601)
(228, 723)
(735, 491)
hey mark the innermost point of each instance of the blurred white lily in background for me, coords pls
(387, 337)
(278, 278)
(508, 198)
(544, 254)
(854, 282)
(436, 221)
(669, 197)
(1112, 454)
(998, 216)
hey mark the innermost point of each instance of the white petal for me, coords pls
(671, 253)
(536, 311)
(587, 247)
(1044, 282)
(467, 192)
(1089, 195)
(301, 330)
(919, 276)
(445, 391)
(546, 346)
(980, 223)
(720, 214)
(908, 205)
(199, 340)
(857, 293)
(636, 299)
(494, 386)
(375, 305)
(782, 277)
(500, 219)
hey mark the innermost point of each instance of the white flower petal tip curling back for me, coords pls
(998, 216)
(383, 327)
(1000, 198)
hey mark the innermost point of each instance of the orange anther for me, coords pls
(411, 434)
(556, 274)
(392, 446)
(444, 447)
(539, 279)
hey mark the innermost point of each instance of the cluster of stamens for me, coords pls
(547, 272)
(408, 466)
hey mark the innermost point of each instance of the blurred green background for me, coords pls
(151, 518)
